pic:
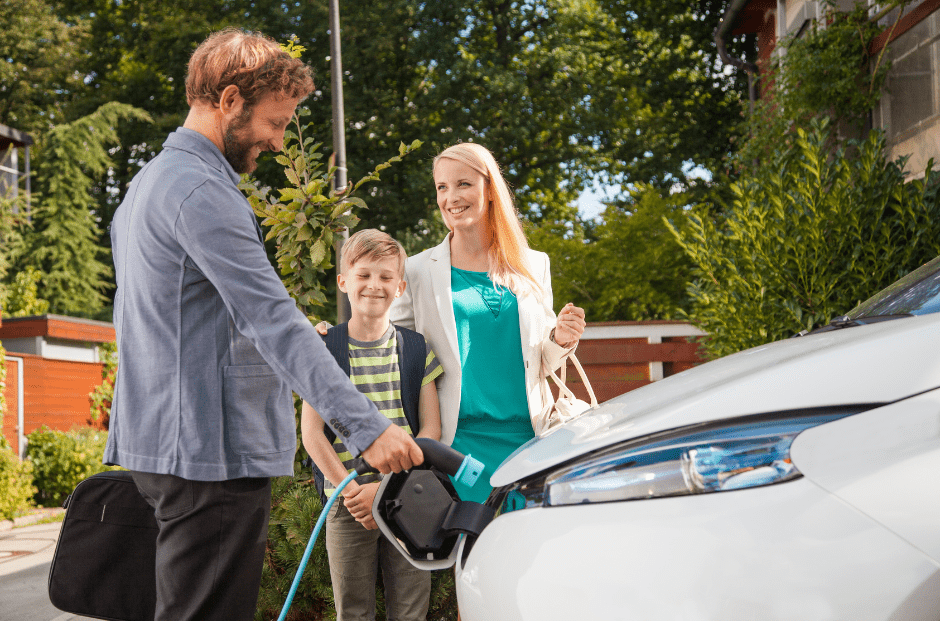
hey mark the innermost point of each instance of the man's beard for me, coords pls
(238, 150)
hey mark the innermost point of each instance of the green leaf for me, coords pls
(317, 252)
(291, 194)
(292, 177)
(304, 233)
(340, 208)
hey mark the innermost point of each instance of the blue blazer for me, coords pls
(210, 342)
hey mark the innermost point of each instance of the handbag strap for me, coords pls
(560, 382)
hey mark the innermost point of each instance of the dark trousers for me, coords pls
(210, 547)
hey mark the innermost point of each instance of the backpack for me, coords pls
(412, 355)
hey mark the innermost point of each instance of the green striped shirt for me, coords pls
(373, 369)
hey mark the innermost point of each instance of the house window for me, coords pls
(912, 89)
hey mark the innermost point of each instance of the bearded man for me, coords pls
(211, 343)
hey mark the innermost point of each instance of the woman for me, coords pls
(483, 300)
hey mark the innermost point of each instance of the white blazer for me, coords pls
(427, 306)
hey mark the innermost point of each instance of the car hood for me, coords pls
(877, 363)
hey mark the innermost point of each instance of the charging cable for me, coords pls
(465, 469)
(313, 539)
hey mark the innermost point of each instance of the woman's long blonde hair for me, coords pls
(509, 265)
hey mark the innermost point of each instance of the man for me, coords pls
(211, 343)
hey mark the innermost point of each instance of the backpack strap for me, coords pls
(337, 342)
(412, 355)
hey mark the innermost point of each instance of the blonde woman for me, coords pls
(483, 300)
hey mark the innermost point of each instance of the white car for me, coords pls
(797, 481)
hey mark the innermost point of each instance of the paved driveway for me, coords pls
(25, 556)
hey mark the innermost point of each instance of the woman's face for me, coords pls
(462, 194)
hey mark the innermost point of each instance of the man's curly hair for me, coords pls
(254, 63)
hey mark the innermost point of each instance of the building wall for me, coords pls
(11, 395)
(618, 357)
(909, 111)
(56, 393)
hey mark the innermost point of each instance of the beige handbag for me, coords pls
(567, 407)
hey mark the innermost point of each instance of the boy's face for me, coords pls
(372, 285)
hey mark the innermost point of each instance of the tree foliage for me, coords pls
(807, 237)
(303, 216)
(16, 479)
(627, 267)
(63, 459)
(21, 297)
(103, 394)
(828, 72)
(63, 241)
(562, 92)
(40, 75)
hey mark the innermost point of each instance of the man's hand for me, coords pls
(393, 451)
(322, 327)
(359, 504)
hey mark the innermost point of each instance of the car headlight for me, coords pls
(712, 457)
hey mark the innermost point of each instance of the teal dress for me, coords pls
(494, 411)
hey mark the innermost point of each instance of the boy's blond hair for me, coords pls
(372, 243)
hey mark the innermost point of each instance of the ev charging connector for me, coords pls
(419, 510)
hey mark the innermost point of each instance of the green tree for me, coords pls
(40, 69)
(63, 241)
(103, 394)
(807, 237)
(16, 480)
(666, 107)
(562, 92)
(21, 297)
(628, 266)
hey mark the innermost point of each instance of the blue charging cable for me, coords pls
(313, 540)
(465, 469)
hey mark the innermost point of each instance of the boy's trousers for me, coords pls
(210, 547)
(356, 554)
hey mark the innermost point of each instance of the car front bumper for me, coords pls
(787, 551)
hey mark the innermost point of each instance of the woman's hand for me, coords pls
(569, 326)
(322, 327)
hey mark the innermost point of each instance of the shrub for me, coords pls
(61, 460)
(16, 490)
(807, 237)
(103, 393)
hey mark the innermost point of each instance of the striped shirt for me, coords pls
(373, 369)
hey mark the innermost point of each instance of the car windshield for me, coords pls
(918, 293)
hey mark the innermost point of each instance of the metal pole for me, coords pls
(339, 144)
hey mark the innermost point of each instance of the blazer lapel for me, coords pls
(443, 296)
(528, 306)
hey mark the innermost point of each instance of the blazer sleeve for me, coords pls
(223, 240)
(402, 312)
(553, 354)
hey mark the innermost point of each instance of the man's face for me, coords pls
(257, 128)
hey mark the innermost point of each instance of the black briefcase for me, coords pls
(105, 559)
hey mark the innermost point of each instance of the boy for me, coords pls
(396, 369)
